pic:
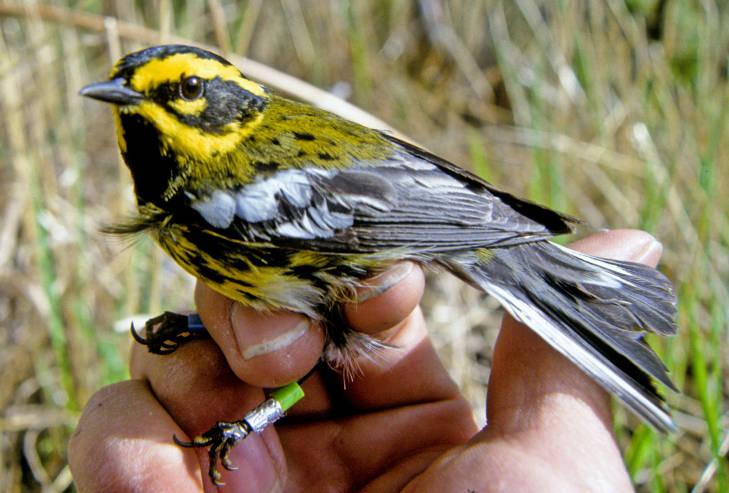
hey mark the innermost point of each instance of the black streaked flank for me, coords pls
(208, 272)
(266, 165)
(304, 136)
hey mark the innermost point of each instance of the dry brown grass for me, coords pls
(611, 113)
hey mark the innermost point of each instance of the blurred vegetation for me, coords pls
(614, 111)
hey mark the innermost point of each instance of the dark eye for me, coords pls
(191, 88)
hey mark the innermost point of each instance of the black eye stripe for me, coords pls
(226, 102)
(169, 91)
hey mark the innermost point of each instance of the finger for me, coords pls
(410, 371)
(388, 312)
(622, 244)
(197, 388)
(358, 446)
(384, 387)
(530, 382)
(266, 349)
(386, 300)
(123, 442)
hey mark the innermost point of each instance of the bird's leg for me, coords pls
(165, 333)
(221, 438)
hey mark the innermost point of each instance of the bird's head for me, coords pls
(189, 105)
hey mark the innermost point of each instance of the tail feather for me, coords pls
(593, 310)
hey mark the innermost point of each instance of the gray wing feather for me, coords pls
(403, 202)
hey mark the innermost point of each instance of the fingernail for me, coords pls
(270, 345)
(260, 333)
(380, 283)
(650, 252)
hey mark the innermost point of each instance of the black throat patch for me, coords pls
(152, 170)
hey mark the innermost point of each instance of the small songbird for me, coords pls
(281, 205)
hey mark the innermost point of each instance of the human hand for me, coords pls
(401, 425)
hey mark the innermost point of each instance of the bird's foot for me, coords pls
(220, 439)
(165, 333)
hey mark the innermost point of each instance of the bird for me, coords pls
(278, 204)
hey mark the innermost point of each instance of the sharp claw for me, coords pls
(215, 475)
(225, 456)
(137, 337)
(228, 465)
(213, 470)
(197, 442)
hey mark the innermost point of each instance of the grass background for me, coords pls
(614, 111)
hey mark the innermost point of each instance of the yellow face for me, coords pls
(186, 110)
(201, 107)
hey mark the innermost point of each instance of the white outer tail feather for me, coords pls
(586, 361)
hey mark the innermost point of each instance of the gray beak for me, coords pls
(113, 91)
